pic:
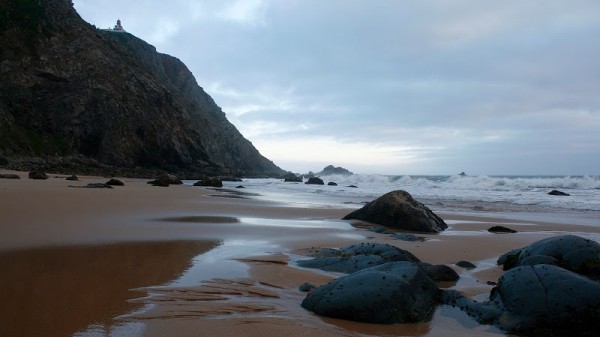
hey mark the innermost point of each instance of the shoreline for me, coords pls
(244, 255)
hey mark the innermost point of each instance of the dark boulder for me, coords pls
(558, 193)
(292, 178)
(315, 181)
(571, 252)
(72, 178)
(438, 272)
(466, 264)
(115, 182)
(395, 292)
(9, 176)
(3, 160)
(407, 237)
(501, 230)
(239, 186)
(159, 183)
(331, 183)
(170, 179)
(209, 182)
(38, 175)
(97, 185)
(547, 298)
(306, 287)
(398, 209)
(352, 186)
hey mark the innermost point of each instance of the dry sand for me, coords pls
(140, 260)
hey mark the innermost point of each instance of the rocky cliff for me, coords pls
(73, 95)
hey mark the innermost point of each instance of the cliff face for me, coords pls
(68, 89)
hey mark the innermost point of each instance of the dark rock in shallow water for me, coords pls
(240, 186)
(571, 252)
(331, 183)
(395, 292)
(72, 178)
(292, 178)
(315, 181)
(357, 257)
(115, 182)
(209, 182)
(170, 179)
(9, 176)
(559, 193)
(306, 287)
(96, 185)
(501, 230)
(159, 183)
(398, 209)
(407, 237)
(379, 229)
(466, 265)
(38, 175)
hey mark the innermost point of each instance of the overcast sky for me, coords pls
(393, 87)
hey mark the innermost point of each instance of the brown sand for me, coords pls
(73, 259)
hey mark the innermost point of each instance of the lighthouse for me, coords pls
(118, 26)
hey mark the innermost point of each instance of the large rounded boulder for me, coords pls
(542, 298)
(395, 292)
(398, 209)
(571, 252)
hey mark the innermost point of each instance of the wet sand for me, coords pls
(140, 260)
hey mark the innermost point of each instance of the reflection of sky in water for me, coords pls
(297, 223)
(220, 262)
(114, 330)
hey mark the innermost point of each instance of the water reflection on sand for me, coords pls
(60, 291)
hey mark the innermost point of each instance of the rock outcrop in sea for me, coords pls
(75, 98)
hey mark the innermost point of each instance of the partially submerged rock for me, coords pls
(357, 257)
(115, 182)
(292, 178)
(501, 230)
(395, 292)
(209, 182)
(466, 264)
(9, 176)
(38, 175)
(407, 237)
(559, 193)
(72, 178)
(398, 209)
(571, 252)
(170, 178)
(315, 181)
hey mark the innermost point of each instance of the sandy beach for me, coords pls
(139, 260)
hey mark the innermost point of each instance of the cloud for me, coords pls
(251, 12)
(428, 86)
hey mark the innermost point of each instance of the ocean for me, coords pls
(525, 196)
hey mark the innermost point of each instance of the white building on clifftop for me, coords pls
(118, 28)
